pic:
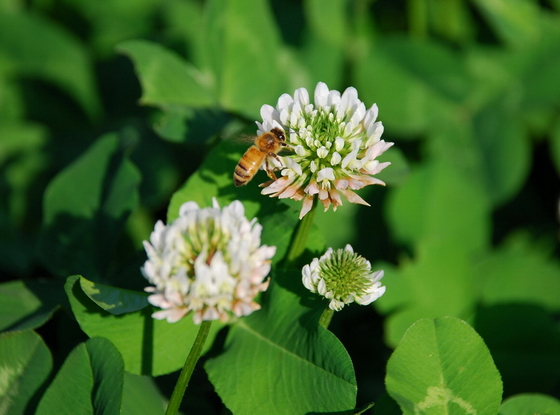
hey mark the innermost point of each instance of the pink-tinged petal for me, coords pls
(369, 180)
(379, 167)
(354, 198)
(288, 192)
(326, 203)
(377, 149)
(341, 184)
(312, 188)
(335, 198)
(306, 206)
(356, 184)
(277, 186)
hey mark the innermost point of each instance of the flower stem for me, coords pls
(326, 317)
(299, 239)
(188, 369)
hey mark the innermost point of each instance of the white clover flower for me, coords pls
(335, 144)
(343, 277)
(208, 261)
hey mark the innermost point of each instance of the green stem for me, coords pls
(299, 240)
(326, 317)
(188, 369)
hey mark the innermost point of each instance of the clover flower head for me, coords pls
(335, 143)
(343, 277)
(209, 261)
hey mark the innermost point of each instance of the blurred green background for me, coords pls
(107, 107)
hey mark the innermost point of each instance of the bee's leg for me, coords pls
(268, 167)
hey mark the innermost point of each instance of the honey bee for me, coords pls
(266, 146)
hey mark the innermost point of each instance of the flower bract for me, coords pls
(343, 277)
(209, 262)
(335, 143)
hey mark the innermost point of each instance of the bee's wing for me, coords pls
(243, 139)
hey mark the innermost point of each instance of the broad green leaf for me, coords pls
(429, 205)
(148, 346)
(280, 355)
(85, 207)
(504, 148)
(244, 54)
(26, 363)
(443, 366)
(520, 272)
(43, 49)
(325, 50)
(430, 79)
(516, 22)
(89, 382)
(141, 396)
(429, 213)
(12, 105)
(18, 138)
(530, 403)
(439, 282)
(214, 178)
(27, 305)
(179, 123)
(540, 80)
(174, 14)
(166, 78)
(452, 20)
(114, 300)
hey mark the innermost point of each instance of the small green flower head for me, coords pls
(343, 277)
(335, 143)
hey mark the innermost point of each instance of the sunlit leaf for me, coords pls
(520, 272)
(516, 22)
(530, 403)
(166, 78)
(305, 356)
(148, 346)
(324, 50)
(429, 205)
(141, 396)
(415, 84)
(26, 363)
(443, 366)
(89, 382)
(504, 149)
(114, 300)
(243, 52)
